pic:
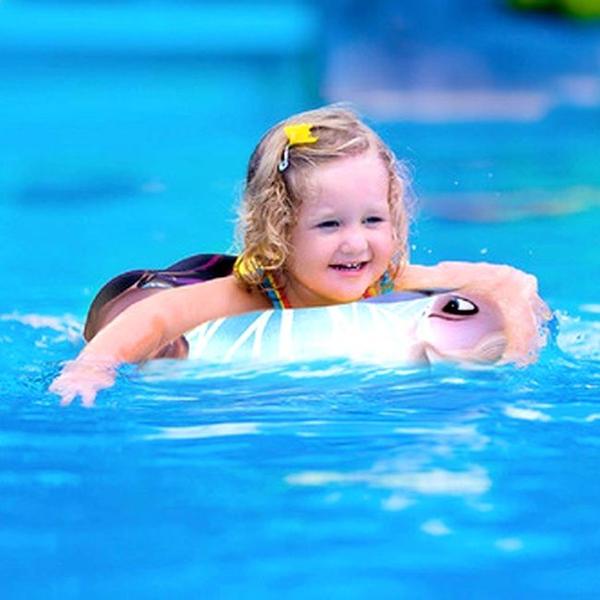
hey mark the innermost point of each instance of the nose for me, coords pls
(355, 240)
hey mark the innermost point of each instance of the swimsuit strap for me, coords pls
(384, 285)
(274, 293)
(279, 300)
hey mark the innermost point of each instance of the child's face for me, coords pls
(343, 239)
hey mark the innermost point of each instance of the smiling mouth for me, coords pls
(351, 266)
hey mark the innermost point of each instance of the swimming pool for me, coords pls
(318, 480)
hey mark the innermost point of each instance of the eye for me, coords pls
(373, 220)
(460, 306)
(329, 224)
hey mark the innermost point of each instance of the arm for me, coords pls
(138, 332)
(515, 292)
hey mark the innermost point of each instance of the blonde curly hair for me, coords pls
(272, 198)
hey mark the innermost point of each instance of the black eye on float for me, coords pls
(460, 307)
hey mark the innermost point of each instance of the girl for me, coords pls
(324, 221)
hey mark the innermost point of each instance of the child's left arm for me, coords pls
(514, 291)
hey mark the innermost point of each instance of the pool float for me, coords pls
(404, 327)
(401, 329)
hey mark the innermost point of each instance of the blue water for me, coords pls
(315, 480)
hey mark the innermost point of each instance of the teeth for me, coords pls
(350, 266)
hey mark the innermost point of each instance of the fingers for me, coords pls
(67, 398)
(57, 387)
(83, 378)
(87, 398)
(66, 393)
(69, 388)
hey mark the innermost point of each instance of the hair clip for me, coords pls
(284, 163)
(245, 266)
(296, 135)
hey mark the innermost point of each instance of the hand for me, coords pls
(83, 377)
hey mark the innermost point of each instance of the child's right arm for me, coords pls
(142, 329)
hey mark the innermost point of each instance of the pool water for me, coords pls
(314, 480)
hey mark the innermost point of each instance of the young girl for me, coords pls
(324, 221)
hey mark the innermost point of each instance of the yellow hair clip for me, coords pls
(296, 134)
(299, 134)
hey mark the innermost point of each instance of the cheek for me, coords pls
(386, 244)
(308, 248)
(387, 233)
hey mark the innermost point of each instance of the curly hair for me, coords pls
(271, 198)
